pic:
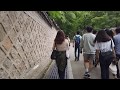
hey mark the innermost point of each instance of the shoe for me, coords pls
(87, 75)
(75, 58)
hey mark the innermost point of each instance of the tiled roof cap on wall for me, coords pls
(50, 21)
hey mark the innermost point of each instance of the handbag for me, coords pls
(113, 68)
(54, 54)
(107, 55)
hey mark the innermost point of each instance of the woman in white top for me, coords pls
(67, 37)
(61, 45)
(104, 43)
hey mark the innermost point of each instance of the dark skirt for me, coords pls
(61, 60)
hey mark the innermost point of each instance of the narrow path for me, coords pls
(78, 67)
(74, 70)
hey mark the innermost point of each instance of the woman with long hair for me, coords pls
(104, 43)
(61, 45)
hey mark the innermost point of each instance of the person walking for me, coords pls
(67, 37)
(61, 45)
(67, 52)
(111, 34)
(116, 39)
(88, 50)
(103, 45)
(76, 44)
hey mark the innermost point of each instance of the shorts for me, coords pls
(90, 57)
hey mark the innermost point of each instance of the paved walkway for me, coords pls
(78, 67)
(75, 69)
(52, 72)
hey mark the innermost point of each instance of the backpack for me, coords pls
(77, 40)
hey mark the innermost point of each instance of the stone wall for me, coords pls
(25, 44)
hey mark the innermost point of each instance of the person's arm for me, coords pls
(81, 43)
(113, 49)
(53, 48)
(73, 41)
(67, 43)
(97, 55)
(114, 52)
(97, 52)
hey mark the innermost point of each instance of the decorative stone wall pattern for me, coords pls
(25, 44)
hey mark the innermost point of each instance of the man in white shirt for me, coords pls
(88, 50)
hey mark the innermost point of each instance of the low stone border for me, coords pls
(52, 73)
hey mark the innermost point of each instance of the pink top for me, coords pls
(62, 47)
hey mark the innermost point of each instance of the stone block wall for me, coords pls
(25, 44)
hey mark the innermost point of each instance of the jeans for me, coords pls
(61, 74)
(118, 58)
(104, 65)
(77, 47)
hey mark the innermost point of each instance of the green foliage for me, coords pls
(72, 21)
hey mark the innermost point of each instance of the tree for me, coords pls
(72, 21)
